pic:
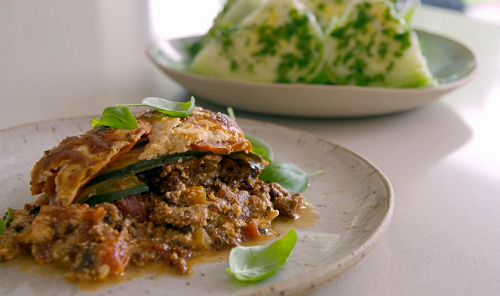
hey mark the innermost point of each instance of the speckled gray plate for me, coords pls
(353, 198)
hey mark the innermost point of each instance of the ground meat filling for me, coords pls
(212, 202)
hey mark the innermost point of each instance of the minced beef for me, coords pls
(211, 203)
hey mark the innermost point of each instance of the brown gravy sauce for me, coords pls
(308, 218)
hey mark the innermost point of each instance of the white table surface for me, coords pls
(63, 58)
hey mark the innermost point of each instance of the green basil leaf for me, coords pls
(94, 122)
(260, 147)
(6, 220)
(287, 175)
(116, 117)
(174, 109)
(259, 262)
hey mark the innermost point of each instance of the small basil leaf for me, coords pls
(6, 220)
(174, 109)
(260, 147)
(230, 113)
(116, 117)
(259, 262)
(260, 151)
(94, 122)
(287, 175)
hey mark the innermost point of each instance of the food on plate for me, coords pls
(164, 192)
(371, 45)
(233, 12)
(280, 41)
(326, 11)
(345, 42)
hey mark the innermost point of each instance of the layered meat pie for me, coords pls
(165, 192)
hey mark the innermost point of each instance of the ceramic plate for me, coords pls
(353, 200)
(452, 63)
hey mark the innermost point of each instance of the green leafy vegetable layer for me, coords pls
(259, 262)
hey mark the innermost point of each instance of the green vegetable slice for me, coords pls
(116, 117)
(174, 109)
(111, 189)
(118, 179)
(115, 195)
(287, 175)
(253, 159)
(115, 190)
(6, 220)
(130, 163)
(259, 262)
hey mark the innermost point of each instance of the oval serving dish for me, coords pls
(452, 63)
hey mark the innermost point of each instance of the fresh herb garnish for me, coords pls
(174, 109)
(287, 175)
(258, 146)
(193, 48)
(259, 262)
(6, 220)
(261, 148)
(117, 117)
(120, 116)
